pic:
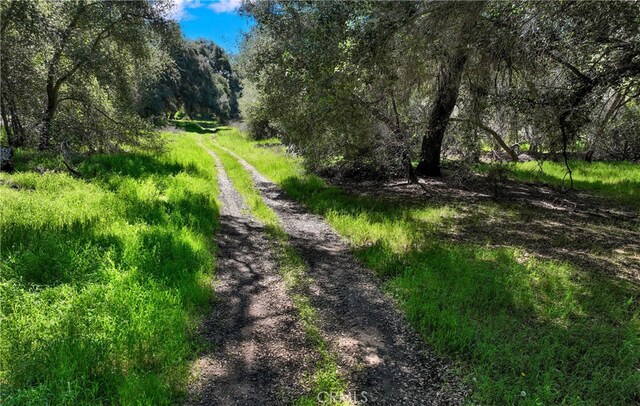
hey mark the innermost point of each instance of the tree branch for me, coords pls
(494, 134)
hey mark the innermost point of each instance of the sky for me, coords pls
(217, 20)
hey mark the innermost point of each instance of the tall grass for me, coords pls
(523, 330)
(102, 279)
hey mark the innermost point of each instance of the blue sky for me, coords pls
(217, 20)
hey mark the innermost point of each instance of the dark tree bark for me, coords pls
(11, 119)
(45, 131)
(53, 89)
(449, 79)
(50, 111)
(429, 164)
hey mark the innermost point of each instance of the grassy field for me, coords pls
(103, 278)
(523, 330)
(619, 181)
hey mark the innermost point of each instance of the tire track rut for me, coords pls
(259, 351)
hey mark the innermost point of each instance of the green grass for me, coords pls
(619, 181)
(103, 279)
(523, 330)
(325, 376)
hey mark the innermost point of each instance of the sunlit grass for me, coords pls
(103, 278)
(523, 330)
(614, 180)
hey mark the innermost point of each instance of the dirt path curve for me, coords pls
(258, 348)
(381, 354)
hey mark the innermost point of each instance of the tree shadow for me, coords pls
(541, 328)
(627, 189)
(196, 126)
(133, 165)
(256, 351)
(595, 234)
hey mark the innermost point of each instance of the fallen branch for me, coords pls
(64, 153)
(70, 169)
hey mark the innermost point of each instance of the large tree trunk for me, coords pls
(45, 131)
(429, 164)
(449, 78)
(47, 120)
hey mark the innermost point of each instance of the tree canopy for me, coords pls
(201, 83)
(374, 86)
(95, 75)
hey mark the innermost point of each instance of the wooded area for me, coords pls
(375, 85)
(369, 203)
(106, 72)
(374, 89)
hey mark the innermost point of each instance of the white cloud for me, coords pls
(179, 9)
(225, 6)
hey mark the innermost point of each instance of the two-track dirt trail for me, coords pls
(259, 351)
(376, 348)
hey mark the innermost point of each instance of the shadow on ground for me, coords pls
(256, 352)
(537, 294)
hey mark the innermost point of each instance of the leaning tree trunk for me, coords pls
(497, 138)
(449, 78)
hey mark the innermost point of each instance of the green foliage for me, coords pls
(307, 91)
(357, 86)
(71, 70)
(201, 83)
(621, 139)
(525, 330)
(103, 279)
